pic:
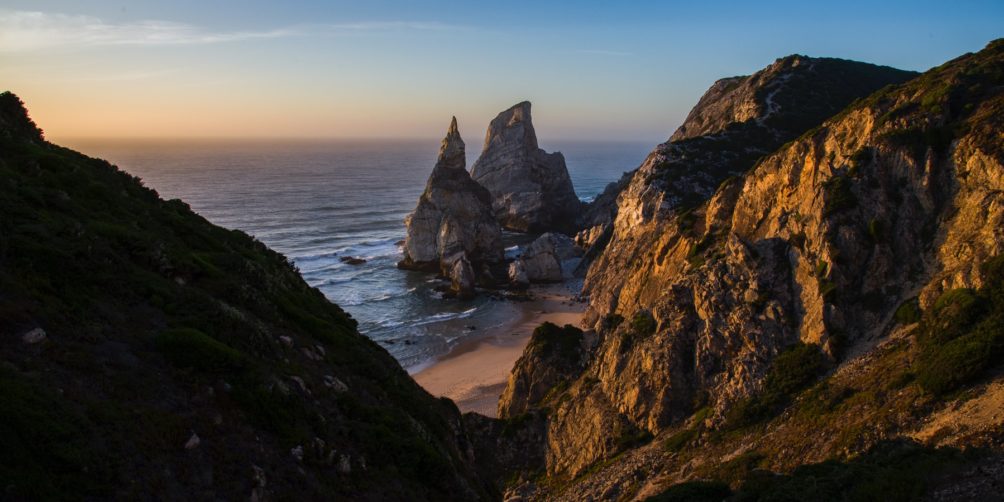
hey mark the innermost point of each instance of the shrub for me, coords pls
(191, 348)
(908, 312)
(791, 371)
(838, 195)
(876, 232)
(677, 441)
(548, 339)
(694, 491)
(643, 324)
(962, 335)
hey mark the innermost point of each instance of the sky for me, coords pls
(628, 70)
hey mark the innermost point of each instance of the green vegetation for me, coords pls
(632, 437)
(677, 441)
(876, 231)
(549, 340)
(838, 195)
(890, 471)
(43, 451)
(694, 491)
(908, 312)
(963, 334)
(791, 371)
(192, 348)
(643, 324)
(146, 305)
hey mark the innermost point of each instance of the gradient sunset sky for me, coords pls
(594, 70)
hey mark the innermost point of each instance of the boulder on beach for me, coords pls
(454, 215)
(541, 260)
(517, 274)
(530, 188)
(462, 278)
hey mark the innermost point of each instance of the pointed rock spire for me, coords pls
(531, 188)
(453, 218)
(452, 151)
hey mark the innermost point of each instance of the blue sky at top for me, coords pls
(615, 70)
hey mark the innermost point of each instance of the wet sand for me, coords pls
(475, 373)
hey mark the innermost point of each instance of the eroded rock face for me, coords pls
(531, 190)
(819, 243)
(726, 295)
(550, 362)
(453, 217)
(541, 260)
(462, 278)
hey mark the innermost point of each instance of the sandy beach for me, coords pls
(475, 373)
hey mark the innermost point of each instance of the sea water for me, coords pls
(319, 201)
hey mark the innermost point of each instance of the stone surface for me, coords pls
(541, 260)
(531, 189)
(36, 335)
(517, 274)
(454, 215)
(727, 291)
(462, 278)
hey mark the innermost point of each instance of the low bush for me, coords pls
(962, 335)
(191, 348)
(791, 371)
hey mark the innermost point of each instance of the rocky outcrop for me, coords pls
(453, 218)
(462, 278)
(531, 190)
(690, 309)
(541, 261)
(517, 274)
(552, 359)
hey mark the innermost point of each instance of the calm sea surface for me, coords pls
(316, 201)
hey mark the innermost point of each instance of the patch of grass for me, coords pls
(677, 441)
(45, 450)
(908, 312)
(643, 324)
(791, 371)
(694, 491)
(838, 195)
(890, 471)
(191, 348)
(632, 437)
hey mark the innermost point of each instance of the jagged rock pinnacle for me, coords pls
(452, 150)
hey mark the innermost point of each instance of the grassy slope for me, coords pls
(160, 325)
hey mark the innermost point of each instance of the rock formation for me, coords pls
(541, 261)
(453, 219)
(462, 278)
(686, 307)
(531, 190)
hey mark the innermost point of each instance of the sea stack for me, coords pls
(531, 190)
(453, 220)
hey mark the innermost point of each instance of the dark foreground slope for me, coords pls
(147, 353)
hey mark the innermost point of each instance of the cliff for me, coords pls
(453, 222)
(719, 302)
(531, 189)
(150, 354)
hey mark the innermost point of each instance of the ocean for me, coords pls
(319, 201)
